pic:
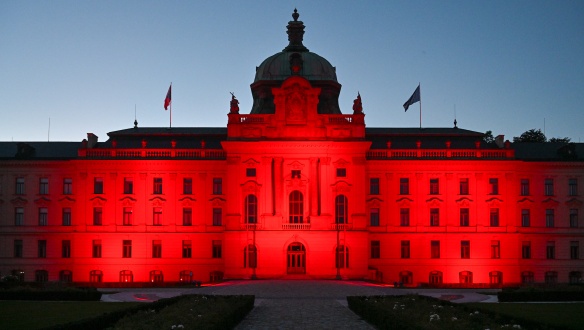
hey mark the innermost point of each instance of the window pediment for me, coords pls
(98, 201)
(525, 201)
(494, 202)
(218, 202)
(19, 201)
(67, 200)
(187, 201)
(574, 203)
(434, 202)
(550, 202)
(128, 201)
(157, 201)
(404, 202)
(374, 202)
(464, 202)
(250, 187)
(43, 201)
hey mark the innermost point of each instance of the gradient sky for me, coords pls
(506, 66)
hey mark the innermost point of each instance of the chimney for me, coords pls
(500, 141)
(91, 140)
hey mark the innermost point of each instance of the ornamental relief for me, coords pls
(128, 201)
(295, 103)
(494, 202)
(98, 201)
(157, 201)
(341, 187)
(463, 202)
(374, 202)
(250, 187)
(43, 201)
(218, 202)
(574, 203)
(434, 202)
(187, 201)
(550, 202)
(19, 201)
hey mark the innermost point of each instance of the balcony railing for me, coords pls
(440, 153)
(152, 153)
(296, 226)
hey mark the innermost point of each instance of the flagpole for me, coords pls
(420, 92)
(170, 107)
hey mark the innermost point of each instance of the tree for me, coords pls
(560, 140)
(533, 135)
(488, 137)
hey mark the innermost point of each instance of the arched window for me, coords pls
(41, 276)
(435, 277)
(156, 276)
(126, 276)
(95, 276)
(406, 277)
(341, 209)
(251, 209)
(496, 277)
(342, 257)
(250, 256)
(186, 276)
(296, 207)
(66, 276)
(465, 277)
(527, 277)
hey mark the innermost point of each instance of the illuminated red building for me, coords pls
(295, 188)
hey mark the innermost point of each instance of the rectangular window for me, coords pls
(494, 217)
(156, 249)
(66, 249)
(19, 216)
(66, 216)
(404, 186)
(217, 216)
(295, 174)
(157, 186)
(217, 250)
(18, 249)
(127, 216)
(127, 249)
(573, 218)
(550, 251)
(157, 216)
(43, 216)
(217, 186)
(42, 248)
(98, 185)
(525, 218)
(434, 186)
(375, 249)
(43, 186)
(19, 188)
(435, 249)
(128, 186)
(341, 172)
(187, 249)
(434, 217)
(573, 187)
(464, 217)
(404, 217)
(97, 216)
(574, 250)
(67, 186)
(374, 186)
(465, 249)
(526, 250)
(405, 249)
(250, 172)
(187, 216)
(495, 250)
(524, 187)
(96, 248)
(187, 186)
(549, 187)
(494, 185)
(374, 217)
(549, 218)
(463, 186)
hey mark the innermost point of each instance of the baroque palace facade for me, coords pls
(293, 189)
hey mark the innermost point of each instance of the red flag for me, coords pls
(168, 98)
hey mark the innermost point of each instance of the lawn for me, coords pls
(41, 314)
(570, 315)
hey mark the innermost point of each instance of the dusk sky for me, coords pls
(506, 66)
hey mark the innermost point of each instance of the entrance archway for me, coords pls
(296, 259)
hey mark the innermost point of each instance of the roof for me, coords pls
(39, 150)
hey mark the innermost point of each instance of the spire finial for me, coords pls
(295, 33)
